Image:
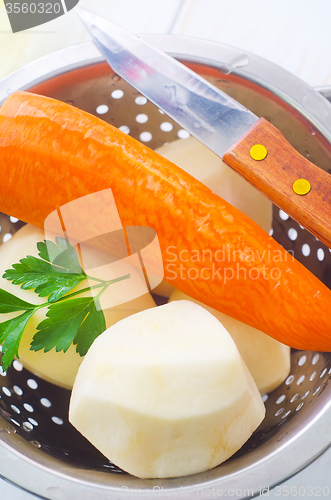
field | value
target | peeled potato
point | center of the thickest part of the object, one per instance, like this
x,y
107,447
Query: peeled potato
x,y
57,367
165,393
267,359
208,168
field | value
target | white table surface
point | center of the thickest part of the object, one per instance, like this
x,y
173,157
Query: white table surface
x,y
295,34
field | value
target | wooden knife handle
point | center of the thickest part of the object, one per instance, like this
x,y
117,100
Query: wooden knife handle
x,y
276,174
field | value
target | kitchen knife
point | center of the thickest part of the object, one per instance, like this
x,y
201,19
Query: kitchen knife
x,y
248,144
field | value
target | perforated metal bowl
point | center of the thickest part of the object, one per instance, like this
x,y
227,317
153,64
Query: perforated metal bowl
x,y
39,450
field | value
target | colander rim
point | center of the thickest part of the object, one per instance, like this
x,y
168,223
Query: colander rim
x,y
296,455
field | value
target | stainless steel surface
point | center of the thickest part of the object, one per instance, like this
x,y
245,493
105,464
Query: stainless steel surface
x,y
53,460
203,110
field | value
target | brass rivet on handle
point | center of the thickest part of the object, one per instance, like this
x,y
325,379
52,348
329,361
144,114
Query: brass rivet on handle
x,y
258,152
301,187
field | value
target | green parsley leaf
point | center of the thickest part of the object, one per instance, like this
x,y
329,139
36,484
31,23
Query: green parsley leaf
x,y
11,332
63,255
52,280
93,325
11,303
63,323
34,273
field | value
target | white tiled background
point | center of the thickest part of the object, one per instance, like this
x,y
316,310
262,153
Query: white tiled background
x,y
295,34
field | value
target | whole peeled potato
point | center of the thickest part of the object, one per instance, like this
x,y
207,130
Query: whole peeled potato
x,y
61,367
165,393
196,159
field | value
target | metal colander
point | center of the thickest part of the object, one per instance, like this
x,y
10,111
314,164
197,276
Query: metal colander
x,y
39,450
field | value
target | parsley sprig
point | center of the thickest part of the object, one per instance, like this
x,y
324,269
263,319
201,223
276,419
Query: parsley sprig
x,y
70,319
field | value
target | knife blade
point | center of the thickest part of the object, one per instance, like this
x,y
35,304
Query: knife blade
x,y
250,145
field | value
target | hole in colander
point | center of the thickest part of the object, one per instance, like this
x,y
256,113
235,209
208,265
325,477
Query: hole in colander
x,y
300,379
323,372
141,118
280,399
33,421
312,376
302,360
299,406
28,407
279,412
17,390
117,94
145,136
320,254
166,126
125,129
292,234
140,100
295,397
32,384
27,426
305,395
17,365
57,420
315,359
15,422
6,391
283,215
7,237
183,134
15,409
46,402
13,219
102,109
289,380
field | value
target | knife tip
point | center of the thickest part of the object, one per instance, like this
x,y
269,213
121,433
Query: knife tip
x,y
85,14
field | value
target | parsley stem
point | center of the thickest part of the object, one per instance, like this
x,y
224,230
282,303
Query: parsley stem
x,y
101,281
94,279
104,285
77,292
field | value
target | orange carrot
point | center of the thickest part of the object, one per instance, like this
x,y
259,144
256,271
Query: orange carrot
x,y
53,153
